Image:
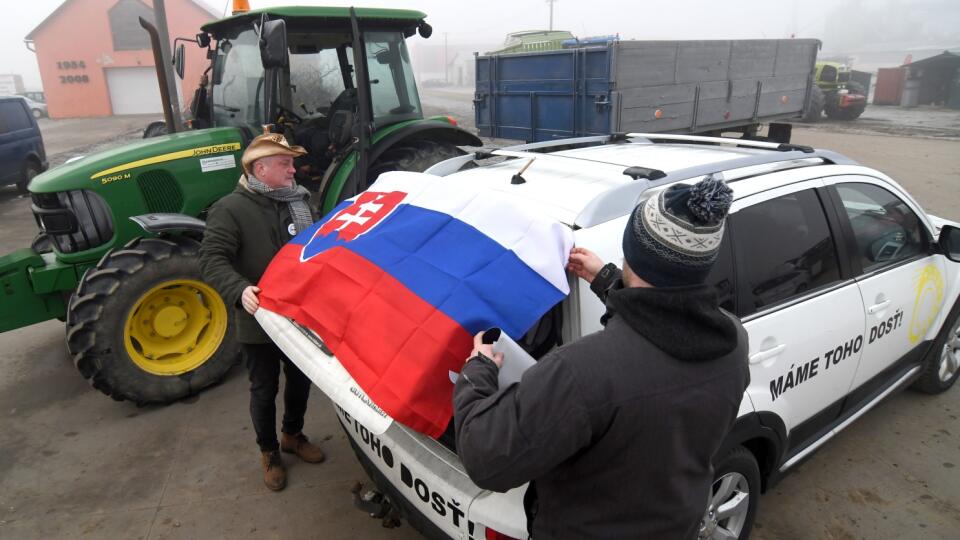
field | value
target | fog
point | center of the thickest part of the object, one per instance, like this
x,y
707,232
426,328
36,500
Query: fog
x,y
848,28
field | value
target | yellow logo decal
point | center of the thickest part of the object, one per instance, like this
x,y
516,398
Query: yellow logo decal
x,y
113,178
191,153
927,305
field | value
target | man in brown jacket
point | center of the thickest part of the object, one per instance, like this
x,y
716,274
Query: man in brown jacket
x,y
244,231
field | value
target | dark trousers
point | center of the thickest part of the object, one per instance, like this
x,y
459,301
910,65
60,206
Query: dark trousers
x,y
263,364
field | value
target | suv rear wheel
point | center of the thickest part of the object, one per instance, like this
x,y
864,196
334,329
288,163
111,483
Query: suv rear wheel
x,y
733,498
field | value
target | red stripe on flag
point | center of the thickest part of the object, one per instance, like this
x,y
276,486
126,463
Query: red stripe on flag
x,y
399,348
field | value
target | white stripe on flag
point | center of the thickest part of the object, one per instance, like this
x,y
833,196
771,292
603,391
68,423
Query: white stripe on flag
x,y
540,242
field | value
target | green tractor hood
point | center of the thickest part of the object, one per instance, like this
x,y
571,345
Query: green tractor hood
x,y
85,205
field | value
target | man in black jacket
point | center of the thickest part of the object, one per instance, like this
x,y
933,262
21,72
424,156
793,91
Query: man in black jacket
x,y
245,229
616,432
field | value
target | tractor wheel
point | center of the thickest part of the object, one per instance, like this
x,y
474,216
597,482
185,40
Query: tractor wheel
x,y
155,129
142,325
812,114
854,111
415,156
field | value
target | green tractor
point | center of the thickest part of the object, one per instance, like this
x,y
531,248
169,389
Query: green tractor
x,y
116,258
835,94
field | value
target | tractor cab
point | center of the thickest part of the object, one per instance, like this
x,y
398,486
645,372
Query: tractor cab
x,y
327,78
116,256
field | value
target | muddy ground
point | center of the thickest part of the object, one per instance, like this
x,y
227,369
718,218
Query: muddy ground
x,y
75,464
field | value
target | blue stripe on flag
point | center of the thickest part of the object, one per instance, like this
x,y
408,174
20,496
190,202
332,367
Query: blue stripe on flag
x,y
454,267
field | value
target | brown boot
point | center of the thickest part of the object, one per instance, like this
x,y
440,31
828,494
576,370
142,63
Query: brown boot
x,y
274,474
299,444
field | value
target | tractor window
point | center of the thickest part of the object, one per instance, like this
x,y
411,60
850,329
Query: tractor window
x,y
315,80
238,91
392,87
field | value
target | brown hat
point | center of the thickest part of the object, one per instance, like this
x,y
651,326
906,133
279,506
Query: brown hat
x,y
269,144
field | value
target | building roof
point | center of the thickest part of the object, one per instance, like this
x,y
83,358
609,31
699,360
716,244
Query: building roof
x,y
945,56
53,14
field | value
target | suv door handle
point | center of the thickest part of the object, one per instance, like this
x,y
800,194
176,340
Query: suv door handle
x,y
767,354
878,307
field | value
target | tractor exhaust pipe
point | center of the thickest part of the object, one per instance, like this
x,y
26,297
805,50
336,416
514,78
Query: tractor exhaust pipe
x,y
161,74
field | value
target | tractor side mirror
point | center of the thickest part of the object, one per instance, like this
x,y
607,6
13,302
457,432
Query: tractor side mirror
x,y
950,242
273,44
179,60
425,29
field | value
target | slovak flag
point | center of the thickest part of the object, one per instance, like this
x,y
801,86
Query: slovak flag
x,y
397,280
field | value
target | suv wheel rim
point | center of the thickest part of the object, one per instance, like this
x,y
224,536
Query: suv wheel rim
x,y
950,357
727,509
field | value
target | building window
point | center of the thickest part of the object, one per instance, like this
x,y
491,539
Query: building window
x,y
125,27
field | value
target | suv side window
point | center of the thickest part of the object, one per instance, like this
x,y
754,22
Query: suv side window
x,y
721,275
14,115
885,228
784,249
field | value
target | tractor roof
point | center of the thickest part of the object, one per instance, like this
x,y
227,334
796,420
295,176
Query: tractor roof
x,y
317,14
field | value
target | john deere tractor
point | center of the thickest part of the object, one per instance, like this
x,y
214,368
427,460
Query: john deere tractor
x,y
116,258
835,94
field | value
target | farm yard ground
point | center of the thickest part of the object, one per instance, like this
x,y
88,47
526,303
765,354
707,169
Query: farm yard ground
x,y
75,464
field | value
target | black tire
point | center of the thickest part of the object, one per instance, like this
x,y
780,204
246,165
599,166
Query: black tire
x,y
931,381
29,171
415,155
98,312
854,111
155,129
851,112
37,113
817,101
740,467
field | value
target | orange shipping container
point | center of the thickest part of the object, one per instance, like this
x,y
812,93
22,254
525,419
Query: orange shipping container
x,y
889,87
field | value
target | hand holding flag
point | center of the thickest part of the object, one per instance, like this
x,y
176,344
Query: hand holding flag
x,y
398,279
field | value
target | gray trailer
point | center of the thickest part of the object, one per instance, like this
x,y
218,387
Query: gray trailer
x,y
644,86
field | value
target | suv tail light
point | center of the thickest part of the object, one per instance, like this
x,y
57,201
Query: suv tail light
x,y
494,535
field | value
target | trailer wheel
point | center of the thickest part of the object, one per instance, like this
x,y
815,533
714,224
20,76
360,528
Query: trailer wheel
x,y
415,155
142,325
817,99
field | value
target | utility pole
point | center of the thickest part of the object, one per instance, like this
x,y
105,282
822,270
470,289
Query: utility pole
x,y
551,2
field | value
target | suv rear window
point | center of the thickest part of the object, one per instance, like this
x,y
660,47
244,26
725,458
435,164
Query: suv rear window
x,y
13,116
784,249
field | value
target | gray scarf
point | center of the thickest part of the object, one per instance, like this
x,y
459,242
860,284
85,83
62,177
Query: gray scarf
x,y
295,197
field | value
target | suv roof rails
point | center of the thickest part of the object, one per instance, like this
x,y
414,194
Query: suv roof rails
x,y
724,141
453,165
620,200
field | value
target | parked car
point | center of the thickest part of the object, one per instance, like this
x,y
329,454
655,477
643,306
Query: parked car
x,y
37,108
22,155
847,287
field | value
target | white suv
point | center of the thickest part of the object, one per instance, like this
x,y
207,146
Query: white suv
x,y
847,288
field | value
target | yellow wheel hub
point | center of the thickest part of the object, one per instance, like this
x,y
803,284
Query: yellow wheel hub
x,y
175,327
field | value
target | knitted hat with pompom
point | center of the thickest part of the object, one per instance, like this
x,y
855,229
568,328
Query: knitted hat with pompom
x,y
672,239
